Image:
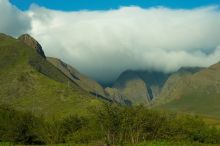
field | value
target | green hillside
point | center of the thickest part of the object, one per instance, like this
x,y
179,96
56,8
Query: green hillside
x,y
81,80
29,82
31,86
196,93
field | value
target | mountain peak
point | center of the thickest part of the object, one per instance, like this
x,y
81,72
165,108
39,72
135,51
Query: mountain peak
x,y
31,42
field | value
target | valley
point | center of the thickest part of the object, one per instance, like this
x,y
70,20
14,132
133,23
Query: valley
x,y
52,102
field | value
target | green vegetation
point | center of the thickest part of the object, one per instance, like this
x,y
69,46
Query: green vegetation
x,y
109,124
197,93
150,143
133,125
81,80
42,105
28,82
165,143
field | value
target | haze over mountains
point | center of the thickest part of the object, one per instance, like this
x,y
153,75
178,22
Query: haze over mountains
x,y
32,81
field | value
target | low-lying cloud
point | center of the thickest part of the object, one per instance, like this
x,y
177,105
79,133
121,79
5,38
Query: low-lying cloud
x,y
102,44
13,21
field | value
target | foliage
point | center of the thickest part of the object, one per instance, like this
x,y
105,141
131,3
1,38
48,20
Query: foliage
x,y
110,124
136,124
18,127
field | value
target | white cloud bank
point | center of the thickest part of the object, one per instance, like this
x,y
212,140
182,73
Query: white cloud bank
x,y
13,21
102,44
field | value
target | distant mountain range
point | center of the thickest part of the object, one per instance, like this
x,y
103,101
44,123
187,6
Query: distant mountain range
x,y
143,87
137,87
44,85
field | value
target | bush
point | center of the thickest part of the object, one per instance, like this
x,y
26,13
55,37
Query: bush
x,y
51,132
111,123
136,124
18,127
25,129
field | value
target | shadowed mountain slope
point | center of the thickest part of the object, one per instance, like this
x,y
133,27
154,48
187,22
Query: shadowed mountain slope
x,y
138,87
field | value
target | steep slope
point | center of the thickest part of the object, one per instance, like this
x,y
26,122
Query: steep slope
x,y
138,87
197,92
176,80
81,80
31,42
154,80
129,89
29,82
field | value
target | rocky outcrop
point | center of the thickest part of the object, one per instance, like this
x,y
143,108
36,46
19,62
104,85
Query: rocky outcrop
x,y
31,42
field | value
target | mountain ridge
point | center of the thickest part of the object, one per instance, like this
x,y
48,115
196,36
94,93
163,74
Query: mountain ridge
x,y
81,80
195,93
30,78
29,82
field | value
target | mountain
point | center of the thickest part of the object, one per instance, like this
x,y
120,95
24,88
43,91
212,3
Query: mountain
x,y
196,93
81,80
29,82
192,90
31,42
129,89
137,87
175,81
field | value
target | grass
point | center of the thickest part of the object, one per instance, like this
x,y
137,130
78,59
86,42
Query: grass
x,y
29,82
158,143
10,144
150,143
198,93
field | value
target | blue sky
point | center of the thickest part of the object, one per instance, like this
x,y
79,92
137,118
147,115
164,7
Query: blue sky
x,y
74,5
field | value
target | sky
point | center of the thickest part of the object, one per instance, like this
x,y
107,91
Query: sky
x,y
76,5
104,38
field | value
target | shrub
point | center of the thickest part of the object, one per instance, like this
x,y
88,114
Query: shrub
x,y
18,127
111,123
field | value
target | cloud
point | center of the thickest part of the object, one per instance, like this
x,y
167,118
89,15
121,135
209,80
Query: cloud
x,y
102,44
13,21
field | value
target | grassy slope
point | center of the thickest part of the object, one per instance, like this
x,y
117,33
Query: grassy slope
x,y
197,93
80,79
27,81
